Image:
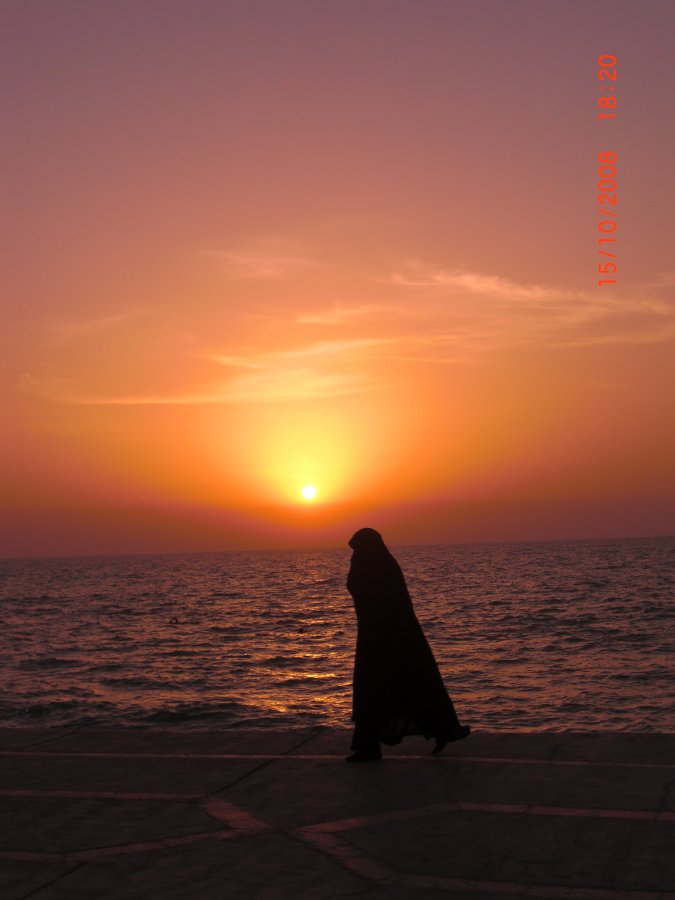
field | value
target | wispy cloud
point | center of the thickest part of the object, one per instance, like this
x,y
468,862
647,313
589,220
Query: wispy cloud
x,y
62,332
338,315
324,369
290,384
476,283
496,310
264,387
261,387
459,282
323,349
263,264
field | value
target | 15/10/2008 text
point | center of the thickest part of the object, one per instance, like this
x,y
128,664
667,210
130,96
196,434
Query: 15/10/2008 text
x,y
608,226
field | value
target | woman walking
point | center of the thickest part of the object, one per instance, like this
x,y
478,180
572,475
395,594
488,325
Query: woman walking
x,y
398,689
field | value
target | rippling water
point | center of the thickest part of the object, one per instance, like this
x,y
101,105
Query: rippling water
x,y
577,635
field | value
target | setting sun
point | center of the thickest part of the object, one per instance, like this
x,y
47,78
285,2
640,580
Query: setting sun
x,y
308,492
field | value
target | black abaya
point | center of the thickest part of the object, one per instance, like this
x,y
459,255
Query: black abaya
x,y
398,689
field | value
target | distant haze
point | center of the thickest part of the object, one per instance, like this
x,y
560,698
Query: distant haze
x,y
254,246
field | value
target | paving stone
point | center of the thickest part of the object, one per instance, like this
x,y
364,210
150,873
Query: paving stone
x,y
268,867
19,878
124,774
592,853
142,740
60,825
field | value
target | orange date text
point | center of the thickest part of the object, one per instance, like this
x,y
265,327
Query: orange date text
x,y
607,224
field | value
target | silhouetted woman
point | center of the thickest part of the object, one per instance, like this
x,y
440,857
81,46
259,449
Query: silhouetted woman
x,y
398,689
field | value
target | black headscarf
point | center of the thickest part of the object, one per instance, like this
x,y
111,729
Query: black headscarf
x,y
367,540
376,583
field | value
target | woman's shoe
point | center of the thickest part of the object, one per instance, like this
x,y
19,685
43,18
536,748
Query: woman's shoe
x,y
360,756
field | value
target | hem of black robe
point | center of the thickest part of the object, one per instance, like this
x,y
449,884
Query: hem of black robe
x,y
393,730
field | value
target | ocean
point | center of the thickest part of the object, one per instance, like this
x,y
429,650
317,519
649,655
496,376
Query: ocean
x,y
576,635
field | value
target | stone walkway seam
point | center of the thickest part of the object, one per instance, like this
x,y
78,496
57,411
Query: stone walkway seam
x,y
97,795
98,853
554,891
357,861
500,808
332,756
238,819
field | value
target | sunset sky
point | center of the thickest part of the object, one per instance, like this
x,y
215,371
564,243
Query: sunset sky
x,y
253,246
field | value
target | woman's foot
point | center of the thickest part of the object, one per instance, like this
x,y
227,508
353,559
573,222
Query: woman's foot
x,y
460,732
361,756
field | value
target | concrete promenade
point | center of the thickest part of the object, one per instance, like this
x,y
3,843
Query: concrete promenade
x,y
199,815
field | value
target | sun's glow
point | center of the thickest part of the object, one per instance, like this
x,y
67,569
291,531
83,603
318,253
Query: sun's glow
x,y
283,449
290,450
308,492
